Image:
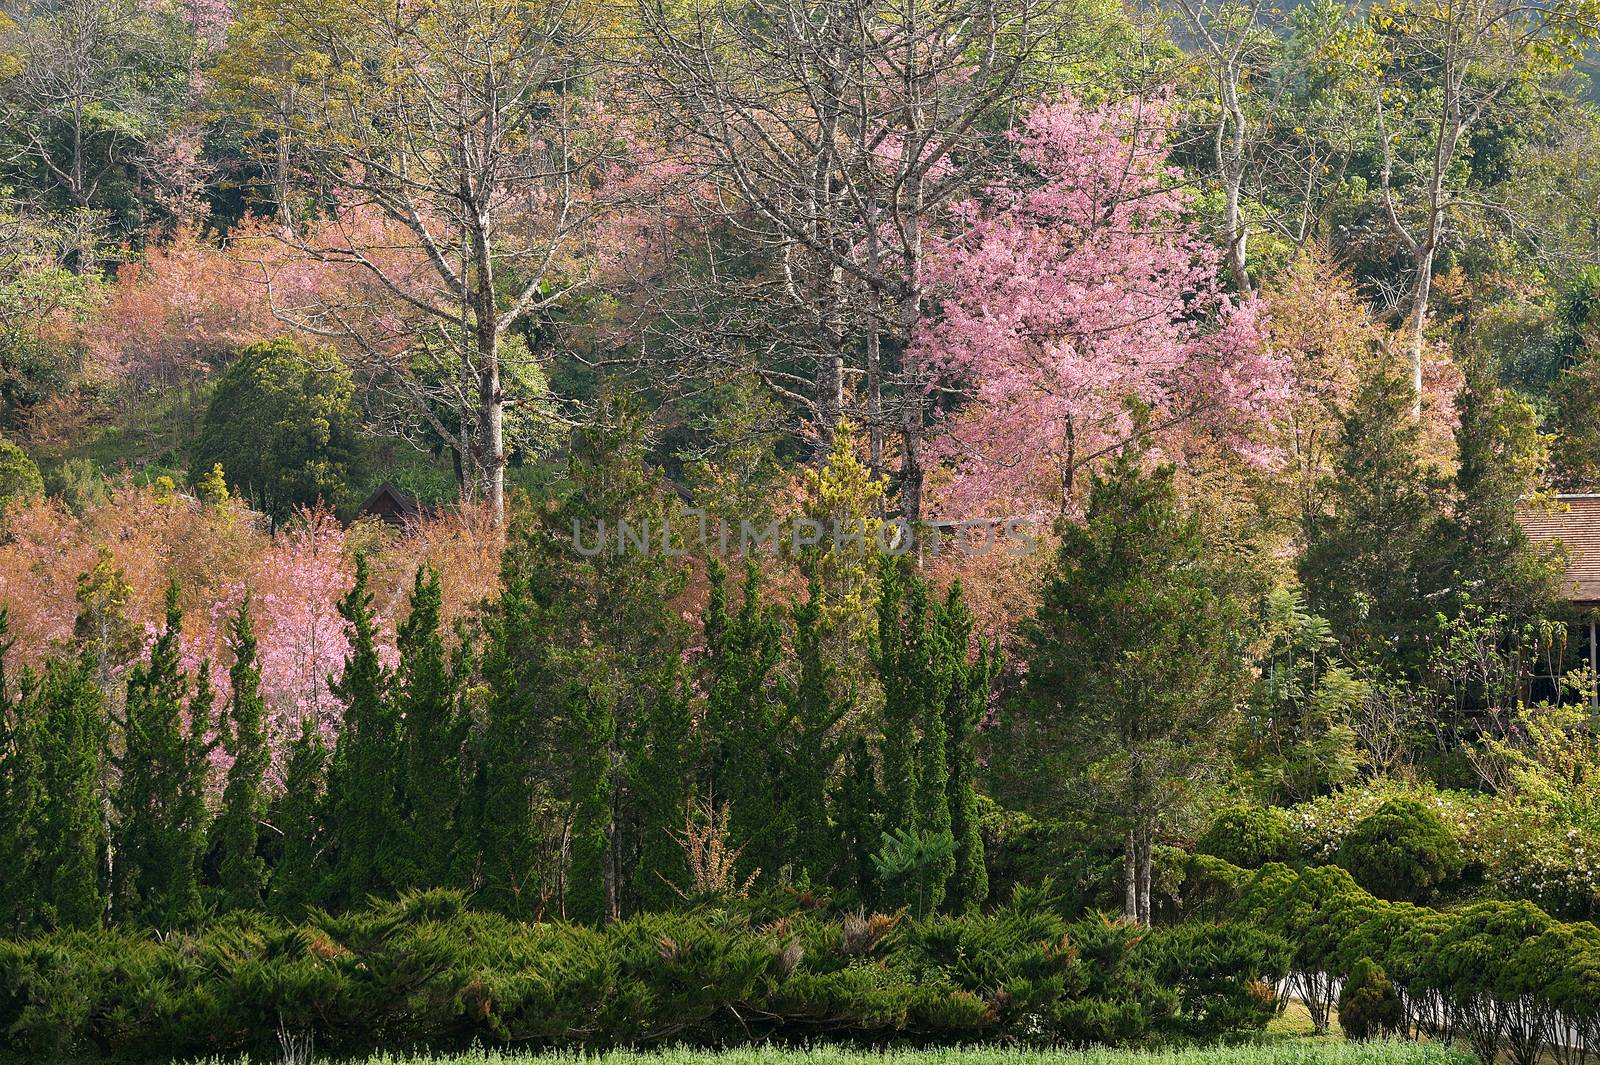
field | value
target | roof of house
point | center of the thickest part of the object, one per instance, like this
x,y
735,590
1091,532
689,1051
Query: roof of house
x,y
1575,522
390,504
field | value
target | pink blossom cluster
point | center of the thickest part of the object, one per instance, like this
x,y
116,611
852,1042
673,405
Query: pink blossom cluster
x,y
1076,284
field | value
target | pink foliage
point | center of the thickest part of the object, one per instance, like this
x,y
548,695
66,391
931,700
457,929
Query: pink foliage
x,y
1076,284
176,310
297,585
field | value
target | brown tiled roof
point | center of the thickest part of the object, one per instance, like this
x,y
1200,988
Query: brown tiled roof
x,y
1575,522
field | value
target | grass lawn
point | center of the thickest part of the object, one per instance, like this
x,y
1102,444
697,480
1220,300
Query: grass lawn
x,y
1274,1052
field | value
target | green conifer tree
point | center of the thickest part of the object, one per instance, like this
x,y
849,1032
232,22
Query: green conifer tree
x,y
363,820
972,682
241,871
21,795
745,723
899,654
158,829
72,838
428,691
860,825
661,776
513,756
817,742
298,875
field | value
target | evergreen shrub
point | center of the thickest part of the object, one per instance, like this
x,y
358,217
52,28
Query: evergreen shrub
x,y
1249,836
1402,852
426,972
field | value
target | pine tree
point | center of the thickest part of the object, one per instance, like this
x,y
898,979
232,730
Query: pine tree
x,y
1501,465
241,871
363,821
298,874
157,848
72,839
428,691
21,795
1134,673
1368,567
972,681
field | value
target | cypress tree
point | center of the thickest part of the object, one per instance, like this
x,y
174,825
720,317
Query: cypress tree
x,y
860,827
513,753
745,721
593,743
816,714
297,876
972,681
21,795
427,689
157,842
933,764
241,871
72,838
661,775
190,826
899,652
363,816
914,671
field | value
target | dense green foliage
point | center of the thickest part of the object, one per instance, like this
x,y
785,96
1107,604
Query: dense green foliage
x,y
282,424
1497,975
1249,836
19,476
426,972
1402,851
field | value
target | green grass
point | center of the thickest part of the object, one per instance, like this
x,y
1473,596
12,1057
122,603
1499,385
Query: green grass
x,y
1297,1052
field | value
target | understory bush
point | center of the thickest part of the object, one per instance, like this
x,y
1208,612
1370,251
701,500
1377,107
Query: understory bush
x,y
1369,1007
1401,851
1249,836
1504,977
426,972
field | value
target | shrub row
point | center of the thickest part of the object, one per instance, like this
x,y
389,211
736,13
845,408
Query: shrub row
x,y
428,973
1499,975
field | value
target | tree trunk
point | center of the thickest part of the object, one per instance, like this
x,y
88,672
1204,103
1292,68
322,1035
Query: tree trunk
x,y
493,442
1145,840
1418,324
1130,877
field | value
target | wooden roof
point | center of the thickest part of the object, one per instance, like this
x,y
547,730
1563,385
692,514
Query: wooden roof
x,y
1575,522
390,504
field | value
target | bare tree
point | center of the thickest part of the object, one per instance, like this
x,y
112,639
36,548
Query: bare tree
x,y
1439,70
464,162
832,133
1277,122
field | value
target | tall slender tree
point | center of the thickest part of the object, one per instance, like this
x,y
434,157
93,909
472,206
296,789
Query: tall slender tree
x,y
159,833
21,797
297,815
427,691
241,871
971,684
1134,672
363,821
72,836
